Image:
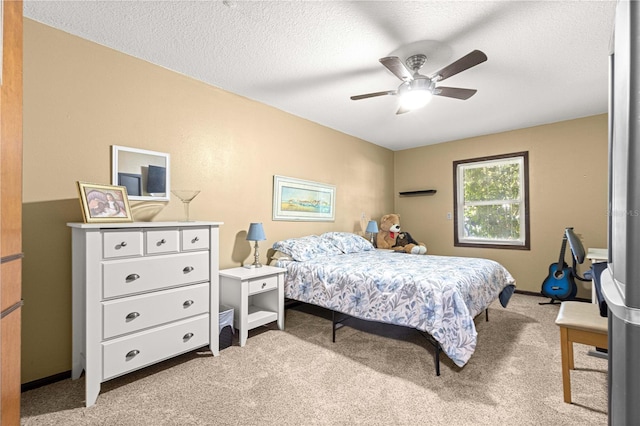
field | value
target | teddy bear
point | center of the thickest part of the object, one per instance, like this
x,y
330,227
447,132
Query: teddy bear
x,y
390,237
388,231
406,241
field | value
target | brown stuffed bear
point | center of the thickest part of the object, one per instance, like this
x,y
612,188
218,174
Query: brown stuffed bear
x,y
388,233
390,237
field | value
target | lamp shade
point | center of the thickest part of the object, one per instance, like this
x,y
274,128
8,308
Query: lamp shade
x,y
256,232
372,227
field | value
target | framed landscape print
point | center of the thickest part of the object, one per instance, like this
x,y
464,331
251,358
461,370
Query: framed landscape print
x,y
104,203
303,200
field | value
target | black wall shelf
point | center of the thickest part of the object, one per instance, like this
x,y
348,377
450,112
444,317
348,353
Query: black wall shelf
x,y
416,193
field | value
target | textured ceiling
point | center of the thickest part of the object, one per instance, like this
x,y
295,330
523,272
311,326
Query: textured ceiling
x,y
547,60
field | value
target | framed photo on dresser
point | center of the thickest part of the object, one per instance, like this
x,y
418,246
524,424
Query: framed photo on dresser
x,y
104,203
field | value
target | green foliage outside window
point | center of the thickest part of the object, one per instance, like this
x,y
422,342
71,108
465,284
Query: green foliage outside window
x,y
493,183
492,222
491,195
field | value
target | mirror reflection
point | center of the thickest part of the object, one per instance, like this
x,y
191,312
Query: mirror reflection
x,y
144,173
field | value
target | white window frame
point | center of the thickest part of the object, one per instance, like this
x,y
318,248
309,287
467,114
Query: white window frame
x,y
460,240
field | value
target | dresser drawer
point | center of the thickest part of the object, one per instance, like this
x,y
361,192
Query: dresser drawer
x,y
194,239
134,313
258,285
147,347
129,276
121,244
159,241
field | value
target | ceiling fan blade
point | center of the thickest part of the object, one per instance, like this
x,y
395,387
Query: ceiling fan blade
x,y
471,60
454,92
372,95
395,65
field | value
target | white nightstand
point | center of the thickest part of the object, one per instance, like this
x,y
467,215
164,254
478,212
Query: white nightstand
x,y
256,295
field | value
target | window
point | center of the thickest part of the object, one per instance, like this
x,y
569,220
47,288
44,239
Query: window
x,y
491,198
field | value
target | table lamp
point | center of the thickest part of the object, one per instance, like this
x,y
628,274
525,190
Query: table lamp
x,y
256,233
372,228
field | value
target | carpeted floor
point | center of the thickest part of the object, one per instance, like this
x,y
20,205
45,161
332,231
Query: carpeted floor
x,y
375,374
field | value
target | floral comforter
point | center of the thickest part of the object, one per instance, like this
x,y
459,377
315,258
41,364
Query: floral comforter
x,y
437,294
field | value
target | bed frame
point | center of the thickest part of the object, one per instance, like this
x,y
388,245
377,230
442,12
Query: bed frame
x,y
338,319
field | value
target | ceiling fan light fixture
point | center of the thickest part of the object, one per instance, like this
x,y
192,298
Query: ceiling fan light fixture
x,y
415,99
416,89
416,94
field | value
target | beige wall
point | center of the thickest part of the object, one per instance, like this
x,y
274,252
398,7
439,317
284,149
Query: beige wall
x,y
80,98
568,187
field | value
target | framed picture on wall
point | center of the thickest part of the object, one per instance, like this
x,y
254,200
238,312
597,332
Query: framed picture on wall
x,y
303,200
104,203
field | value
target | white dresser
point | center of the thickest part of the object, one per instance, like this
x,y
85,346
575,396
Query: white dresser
x,y
143,292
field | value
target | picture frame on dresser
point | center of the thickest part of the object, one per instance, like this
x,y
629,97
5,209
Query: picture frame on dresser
x,y
104,203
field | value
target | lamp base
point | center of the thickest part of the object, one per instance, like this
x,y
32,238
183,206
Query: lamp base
x,y
256,259
252,266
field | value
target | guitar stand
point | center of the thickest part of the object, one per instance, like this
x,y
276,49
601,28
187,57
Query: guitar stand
x,y
550,302
562,272
573,271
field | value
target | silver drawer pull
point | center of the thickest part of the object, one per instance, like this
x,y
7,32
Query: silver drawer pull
x,y
195,240
132,277
187,269
131,354
132,316
187,303
187,336
264,285
162,241
123,244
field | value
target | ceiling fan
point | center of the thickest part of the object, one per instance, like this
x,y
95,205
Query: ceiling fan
x,y
416,89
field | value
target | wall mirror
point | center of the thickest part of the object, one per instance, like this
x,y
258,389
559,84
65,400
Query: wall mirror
x,y
144,173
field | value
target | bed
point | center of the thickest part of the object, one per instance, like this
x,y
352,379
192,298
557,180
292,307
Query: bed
x,y
437,295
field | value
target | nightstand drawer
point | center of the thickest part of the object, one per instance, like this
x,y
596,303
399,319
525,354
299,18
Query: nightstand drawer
x,y
130,276
122,316
147,347
195,239
258,285
162,241
122,244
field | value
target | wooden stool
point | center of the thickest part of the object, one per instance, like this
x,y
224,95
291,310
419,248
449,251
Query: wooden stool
x,y
579,323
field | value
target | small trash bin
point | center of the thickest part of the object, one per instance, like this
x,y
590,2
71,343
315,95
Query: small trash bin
x,y
225,317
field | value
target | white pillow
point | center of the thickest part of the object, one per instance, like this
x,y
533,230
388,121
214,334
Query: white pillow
x,y
306,248
277,256
347,242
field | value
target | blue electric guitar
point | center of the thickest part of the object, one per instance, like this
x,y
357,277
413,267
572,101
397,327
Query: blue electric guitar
x,y
559,284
